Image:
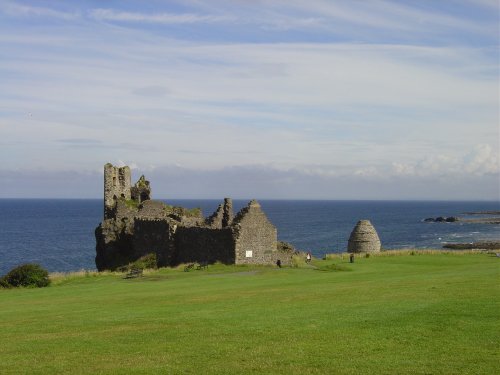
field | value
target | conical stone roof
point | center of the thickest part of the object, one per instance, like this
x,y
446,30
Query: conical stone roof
x,y
364,238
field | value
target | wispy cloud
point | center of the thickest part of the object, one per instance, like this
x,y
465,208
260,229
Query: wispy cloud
x,y
385,100
373,19
162,18
357,91
486,3
150,91
17,10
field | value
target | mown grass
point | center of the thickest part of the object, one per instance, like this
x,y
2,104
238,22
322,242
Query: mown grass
x,y
426,314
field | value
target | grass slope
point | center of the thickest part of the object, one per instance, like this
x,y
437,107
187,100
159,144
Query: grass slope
x,y
425,314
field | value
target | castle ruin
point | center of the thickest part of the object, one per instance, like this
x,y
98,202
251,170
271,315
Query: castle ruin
x,y
134,225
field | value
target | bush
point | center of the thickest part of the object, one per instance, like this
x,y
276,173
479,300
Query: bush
x,y
147,261
28,275
4,284
285,247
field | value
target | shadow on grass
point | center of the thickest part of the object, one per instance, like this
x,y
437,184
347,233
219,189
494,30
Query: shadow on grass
x,y
332,268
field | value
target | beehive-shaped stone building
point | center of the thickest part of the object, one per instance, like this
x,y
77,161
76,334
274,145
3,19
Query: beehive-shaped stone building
x,y
364,238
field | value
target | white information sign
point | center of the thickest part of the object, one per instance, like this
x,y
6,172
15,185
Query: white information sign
x,y
249,254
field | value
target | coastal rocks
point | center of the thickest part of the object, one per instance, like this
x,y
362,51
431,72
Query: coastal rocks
x,y
483,245
364,238
441,219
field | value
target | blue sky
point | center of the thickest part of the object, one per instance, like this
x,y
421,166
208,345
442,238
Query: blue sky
x,y
267,99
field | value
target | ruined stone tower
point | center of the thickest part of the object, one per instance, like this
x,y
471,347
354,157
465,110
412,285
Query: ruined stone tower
x,y
227,214
364,238
141,191
135,225
116,186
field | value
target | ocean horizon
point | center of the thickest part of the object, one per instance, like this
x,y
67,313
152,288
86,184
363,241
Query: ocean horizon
x,y
59,233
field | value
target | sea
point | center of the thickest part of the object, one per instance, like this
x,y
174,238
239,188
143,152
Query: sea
x,y
59,234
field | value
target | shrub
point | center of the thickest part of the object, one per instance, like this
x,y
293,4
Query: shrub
x,y
131,203
147,261
28,275
4,284
298,261
285,247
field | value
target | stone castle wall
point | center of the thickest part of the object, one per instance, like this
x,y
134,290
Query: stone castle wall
x,y
152,209
114,244
206,245
154,236
255,236
134,226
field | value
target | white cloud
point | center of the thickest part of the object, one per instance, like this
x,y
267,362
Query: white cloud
x,y
17,10
338,17
482,160
486,3
231,104
367,172
169,182
162,18
131,164
322,109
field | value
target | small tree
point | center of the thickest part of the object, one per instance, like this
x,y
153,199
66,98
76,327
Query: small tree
x,y
28,275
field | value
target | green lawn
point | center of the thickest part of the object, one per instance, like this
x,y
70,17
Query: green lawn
x,y
423,314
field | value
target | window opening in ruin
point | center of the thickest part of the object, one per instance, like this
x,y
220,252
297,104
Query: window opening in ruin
x,y
114,181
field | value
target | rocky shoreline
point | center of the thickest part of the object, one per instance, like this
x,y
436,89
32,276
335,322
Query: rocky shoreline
x,y
483,220
483,213
486,245
479,220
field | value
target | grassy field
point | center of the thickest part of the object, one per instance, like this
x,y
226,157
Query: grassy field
x,y
420,314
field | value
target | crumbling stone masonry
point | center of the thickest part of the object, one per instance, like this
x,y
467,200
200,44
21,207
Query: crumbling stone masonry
x,y
116,186
134,225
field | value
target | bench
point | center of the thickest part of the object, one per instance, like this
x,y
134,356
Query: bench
x,y
202,266
198,266
133,273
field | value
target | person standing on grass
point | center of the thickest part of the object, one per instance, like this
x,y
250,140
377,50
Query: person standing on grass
x,y
308,257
